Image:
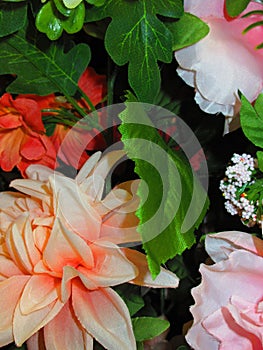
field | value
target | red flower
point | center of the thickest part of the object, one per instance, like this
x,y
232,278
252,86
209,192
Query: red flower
x,y
22,138
71,143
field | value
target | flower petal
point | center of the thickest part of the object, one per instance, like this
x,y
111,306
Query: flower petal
x,y
66,248
219,246
56,338
111,266
165,279
24,326
8,302
109,320
39,292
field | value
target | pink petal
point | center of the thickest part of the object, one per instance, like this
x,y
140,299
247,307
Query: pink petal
x,y
111,266
87,168
39,292
221,244
16,245
65,332
66,248
24,326
8,302
32,188
109,320
165,279
74,208
222,326
8,268
36,341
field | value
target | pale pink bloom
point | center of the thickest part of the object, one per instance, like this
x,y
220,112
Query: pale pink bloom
x,y
59,259
228,310
225,61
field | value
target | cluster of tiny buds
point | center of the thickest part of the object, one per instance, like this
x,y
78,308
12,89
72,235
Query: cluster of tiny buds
x,y
238,174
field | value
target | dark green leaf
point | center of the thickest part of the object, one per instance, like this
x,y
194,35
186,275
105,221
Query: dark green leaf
x,y
171,189
12,17
252,120
42,72
148,327
96,2
138,37
235,7
187,30
260,160
131,296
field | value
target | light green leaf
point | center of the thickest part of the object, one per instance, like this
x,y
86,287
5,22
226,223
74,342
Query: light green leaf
x,y
52,23
188,30
252,120
235,7
41,71
138,37
12,17
47,22
172,192
148,327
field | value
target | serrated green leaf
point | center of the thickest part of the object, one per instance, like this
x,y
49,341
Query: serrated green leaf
x,y
41,71
252,120
145,328
138,37
12,17
235,7
169,192
188,30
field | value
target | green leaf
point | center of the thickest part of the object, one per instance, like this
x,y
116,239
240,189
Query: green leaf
x,y
148,327
65,11
41,71
171,206
260,160
138,37
188,30
52,23
47,22
74,22
12,17
132,298
235,7
96,2
252,120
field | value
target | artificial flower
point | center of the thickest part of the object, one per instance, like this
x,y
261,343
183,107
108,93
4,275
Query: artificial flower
x,y
226,61
22,135
60,257
71,143
228,308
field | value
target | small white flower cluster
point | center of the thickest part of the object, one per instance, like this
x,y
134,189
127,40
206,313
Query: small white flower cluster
x,y
239,174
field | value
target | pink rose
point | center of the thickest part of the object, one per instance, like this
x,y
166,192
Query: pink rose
x,y
226,60
228,310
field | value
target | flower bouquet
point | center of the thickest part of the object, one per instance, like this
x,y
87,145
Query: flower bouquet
x,y
131,174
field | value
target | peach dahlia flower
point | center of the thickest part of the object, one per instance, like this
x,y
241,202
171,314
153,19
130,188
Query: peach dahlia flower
x,y
226,60
59,257
228,310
